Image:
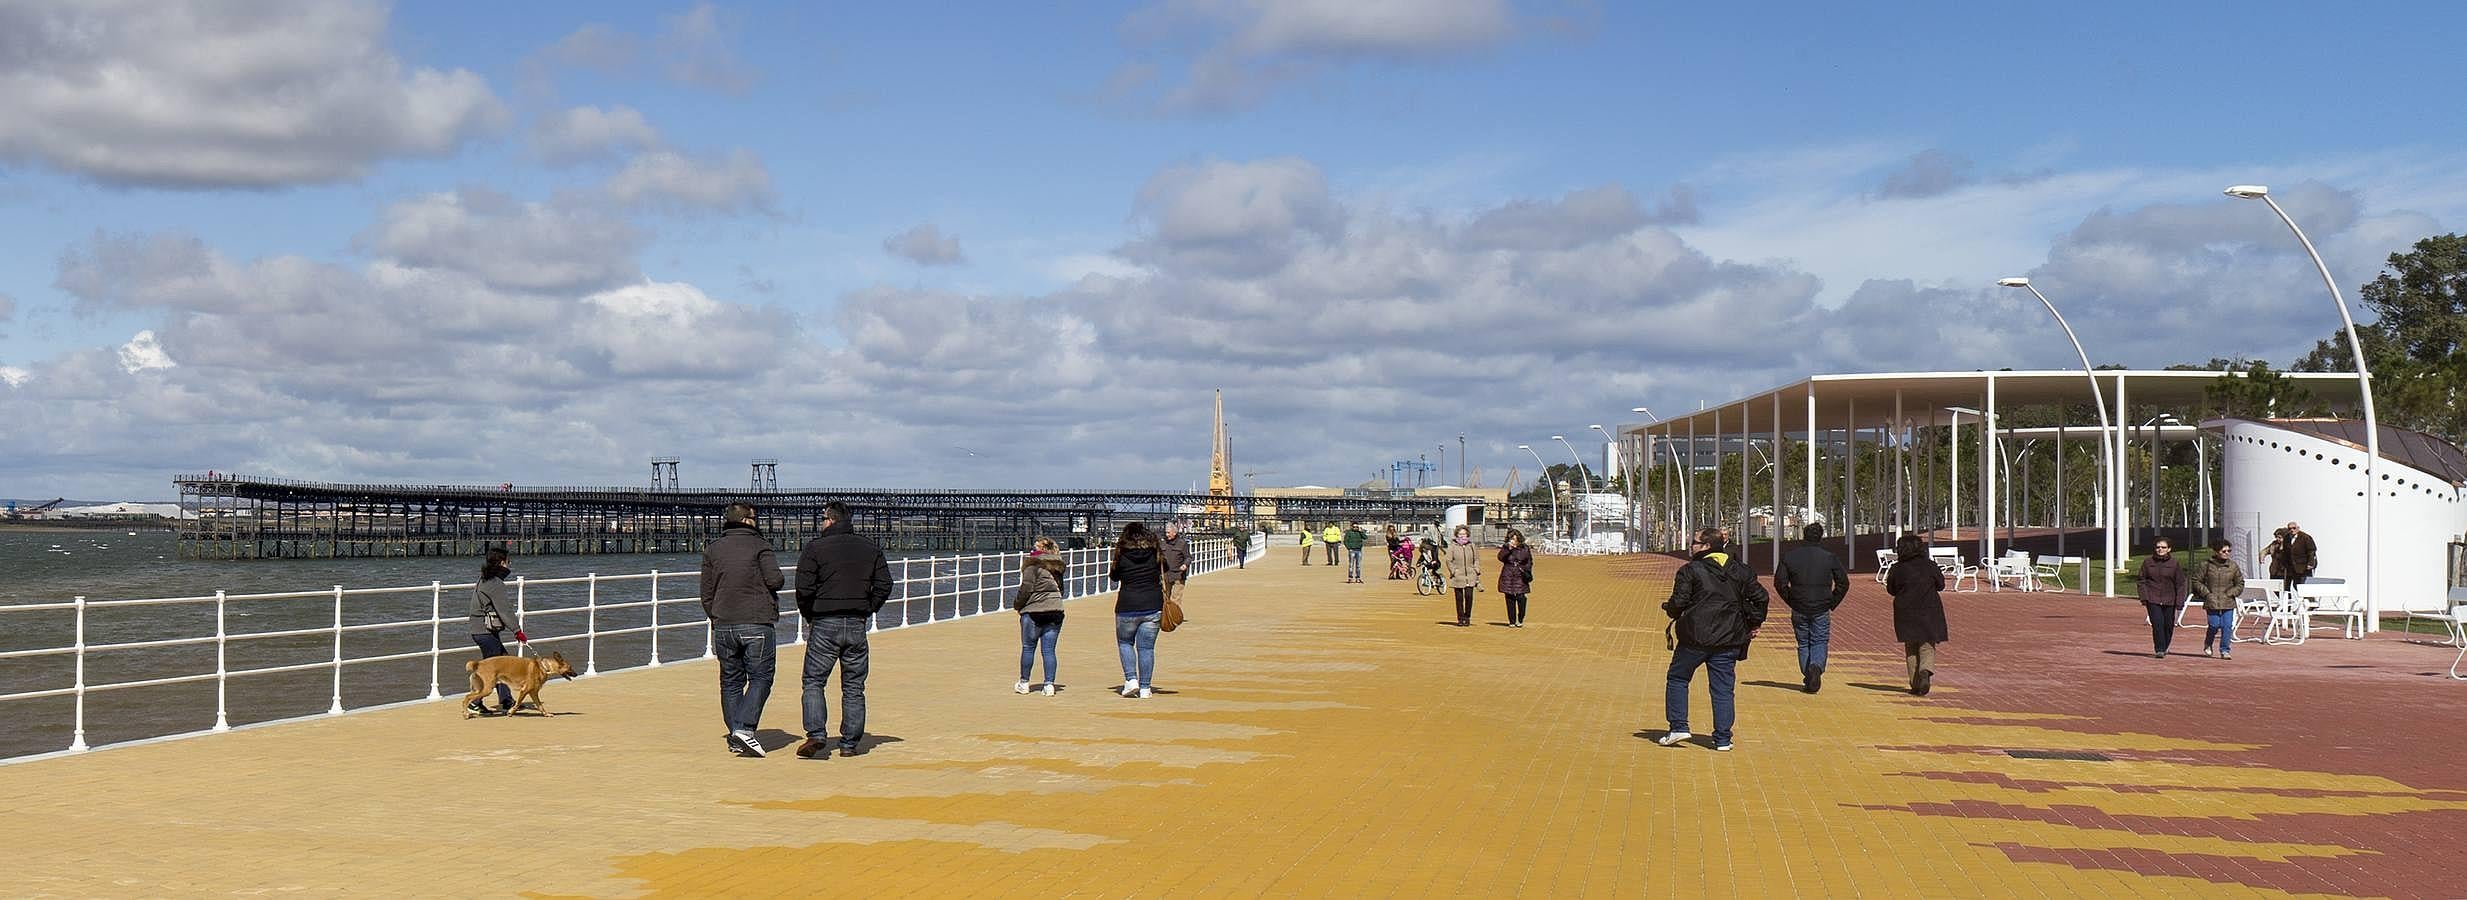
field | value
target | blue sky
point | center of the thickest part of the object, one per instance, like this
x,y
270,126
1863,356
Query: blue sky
x,y
1336,211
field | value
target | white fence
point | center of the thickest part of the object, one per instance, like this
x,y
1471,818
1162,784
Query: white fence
x,y
615,621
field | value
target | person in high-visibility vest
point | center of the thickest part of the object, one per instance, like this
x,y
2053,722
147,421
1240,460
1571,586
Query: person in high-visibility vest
x,y
1332,536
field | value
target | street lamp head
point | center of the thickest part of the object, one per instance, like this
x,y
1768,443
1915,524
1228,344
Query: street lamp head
x,y
1598,428
1524,446
2249,191
1558,437
2013,282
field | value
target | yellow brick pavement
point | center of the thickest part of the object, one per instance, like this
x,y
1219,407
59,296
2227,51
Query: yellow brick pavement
x,y
1314,738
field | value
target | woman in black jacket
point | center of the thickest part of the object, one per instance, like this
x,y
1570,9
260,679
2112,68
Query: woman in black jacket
x,y
1917,586
1139,607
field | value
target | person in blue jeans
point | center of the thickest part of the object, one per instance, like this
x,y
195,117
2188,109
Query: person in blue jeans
x,y
740,594
843,579
1354,538
1715,607
1040,611
489,620
1811,581
1139,607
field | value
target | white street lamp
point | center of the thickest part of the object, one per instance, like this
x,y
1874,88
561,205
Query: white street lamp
x,y
1583,484
2364,382
2110,464
1544,475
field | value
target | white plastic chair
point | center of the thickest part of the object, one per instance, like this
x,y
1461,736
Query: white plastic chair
x,y
2330,600
1884,560
2015,569
2254,603
1955,570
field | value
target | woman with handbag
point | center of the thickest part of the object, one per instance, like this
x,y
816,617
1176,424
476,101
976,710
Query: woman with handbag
x,y
1139,607
1515,575
1040,611
489,622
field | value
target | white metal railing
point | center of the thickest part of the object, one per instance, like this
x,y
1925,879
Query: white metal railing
x,y
929,589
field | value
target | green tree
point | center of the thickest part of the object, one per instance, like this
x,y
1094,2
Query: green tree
x,y
2260,393
2417,343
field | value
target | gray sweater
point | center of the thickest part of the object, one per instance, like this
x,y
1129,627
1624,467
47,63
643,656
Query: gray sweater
x,y
491,592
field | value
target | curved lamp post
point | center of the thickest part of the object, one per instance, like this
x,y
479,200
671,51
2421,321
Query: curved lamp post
x,y
1583,483
2108,462
1676,472
2364,382
1552,489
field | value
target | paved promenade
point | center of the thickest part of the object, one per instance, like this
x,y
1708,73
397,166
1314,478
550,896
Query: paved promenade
x,y
1318,738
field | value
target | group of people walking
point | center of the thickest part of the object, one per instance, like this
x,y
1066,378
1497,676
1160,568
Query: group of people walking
x,y
2164,585
1717,608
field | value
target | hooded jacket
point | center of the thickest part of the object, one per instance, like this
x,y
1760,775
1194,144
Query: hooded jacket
x,y
1139,571
741,578
2218,583
1040,584
1695,605
842,573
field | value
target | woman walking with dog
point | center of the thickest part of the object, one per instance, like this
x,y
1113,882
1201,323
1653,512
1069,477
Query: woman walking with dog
x,y
1040,611
489,621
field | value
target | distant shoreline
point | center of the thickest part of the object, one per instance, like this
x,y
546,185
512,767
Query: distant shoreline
x,y
61,527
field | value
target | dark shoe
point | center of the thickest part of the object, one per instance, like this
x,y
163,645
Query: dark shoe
x,y
2161,654
476,708
1926,680
1815,679
852,749
813,749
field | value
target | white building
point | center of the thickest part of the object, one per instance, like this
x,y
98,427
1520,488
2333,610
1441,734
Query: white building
x,y
2311,471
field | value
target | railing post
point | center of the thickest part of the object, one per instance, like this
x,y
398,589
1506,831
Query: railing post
x,y
77,739
222,670
519,646
591,624
655,618
436,616
337,708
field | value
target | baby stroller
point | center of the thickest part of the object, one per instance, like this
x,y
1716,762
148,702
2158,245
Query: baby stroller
x,y
1432,581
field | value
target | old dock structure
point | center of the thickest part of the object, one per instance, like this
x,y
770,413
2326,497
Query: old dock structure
x,y
244,517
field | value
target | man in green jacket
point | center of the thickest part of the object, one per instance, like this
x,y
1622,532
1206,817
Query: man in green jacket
x,y
1354,538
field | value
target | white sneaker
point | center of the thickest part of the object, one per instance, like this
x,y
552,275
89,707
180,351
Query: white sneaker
x,y
1672,738
1723,746
1049,689
748,744
1129,687
1144,693
1020,688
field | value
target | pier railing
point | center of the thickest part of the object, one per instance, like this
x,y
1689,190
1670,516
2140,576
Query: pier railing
x,y
415,636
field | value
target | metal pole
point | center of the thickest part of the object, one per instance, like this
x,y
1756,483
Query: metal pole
x,y
1953,478
518,612
655,618
222,668
2119,512
591,623
2372,424
337,708
77,737
436,622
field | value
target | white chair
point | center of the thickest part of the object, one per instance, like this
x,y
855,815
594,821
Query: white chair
x,y
2046,574
2330,600
1955,571
2014,569
2254,603
1884,560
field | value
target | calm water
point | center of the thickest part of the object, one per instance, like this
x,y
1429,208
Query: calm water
x,y
50,567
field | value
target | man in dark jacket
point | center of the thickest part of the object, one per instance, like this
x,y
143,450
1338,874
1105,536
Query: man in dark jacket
x,y
1812,581
2302,556
843,579
1715,607
740,593
1175,550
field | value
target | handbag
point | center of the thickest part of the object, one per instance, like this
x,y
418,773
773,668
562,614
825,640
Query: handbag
x,y
494,621
1171,618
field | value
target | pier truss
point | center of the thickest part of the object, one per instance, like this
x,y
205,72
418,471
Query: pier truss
x,y
243,517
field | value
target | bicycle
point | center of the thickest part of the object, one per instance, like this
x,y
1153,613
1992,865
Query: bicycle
x,y
1430,582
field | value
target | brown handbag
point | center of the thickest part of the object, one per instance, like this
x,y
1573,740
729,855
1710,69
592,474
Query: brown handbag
x,y
1171,618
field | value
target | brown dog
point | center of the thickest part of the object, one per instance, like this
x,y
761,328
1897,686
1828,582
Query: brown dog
x,y
525,674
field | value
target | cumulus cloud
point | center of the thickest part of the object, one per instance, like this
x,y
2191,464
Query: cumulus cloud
x,y
1246,48
565,245
1574,220
202,95
925,245
586,133
1233,216
672,181
142,353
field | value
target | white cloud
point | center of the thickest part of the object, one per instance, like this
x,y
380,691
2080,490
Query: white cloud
x,y
213,95
586,133
925,245
142,353
694,45
1250,47
665,179
566,245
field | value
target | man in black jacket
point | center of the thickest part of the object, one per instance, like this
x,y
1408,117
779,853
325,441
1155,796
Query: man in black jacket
x,y
740,593
1715,607
843,579
1812,581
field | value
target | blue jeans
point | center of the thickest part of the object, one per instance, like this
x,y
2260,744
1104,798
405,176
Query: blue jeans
x,y
1135,638
2219,633
1353,563
1815,635
491,645
836,640
1038,631
748,654
1723,663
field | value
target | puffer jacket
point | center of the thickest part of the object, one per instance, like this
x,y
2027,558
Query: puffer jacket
x,y
1701,617
1464,564
2218,584
1142,576
2161,581
1515,570
1040,584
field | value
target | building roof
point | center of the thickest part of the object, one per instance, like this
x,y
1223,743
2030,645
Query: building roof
x,y
2431,455
1867,400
